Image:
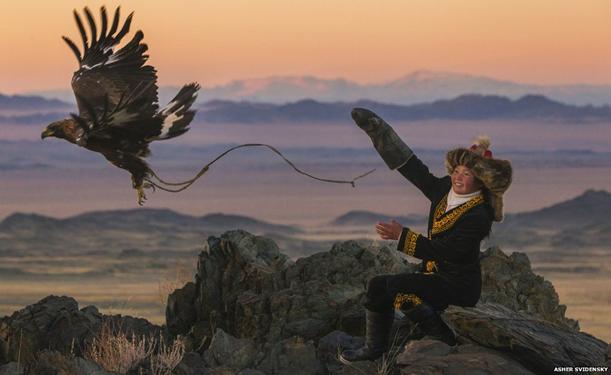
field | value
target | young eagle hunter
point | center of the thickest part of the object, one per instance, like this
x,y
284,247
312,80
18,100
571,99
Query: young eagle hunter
x,y
117,100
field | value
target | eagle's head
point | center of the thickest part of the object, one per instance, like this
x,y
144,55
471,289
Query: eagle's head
x,y
65,129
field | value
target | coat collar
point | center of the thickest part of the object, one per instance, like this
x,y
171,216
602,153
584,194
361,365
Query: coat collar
x,y
443,221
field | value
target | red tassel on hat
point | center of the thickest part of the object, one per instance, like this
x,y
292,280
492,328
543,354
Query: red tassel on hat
x,y
481,147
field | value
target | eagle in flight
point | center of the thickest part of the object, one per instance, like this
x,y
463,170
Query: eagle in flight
x,y
116,94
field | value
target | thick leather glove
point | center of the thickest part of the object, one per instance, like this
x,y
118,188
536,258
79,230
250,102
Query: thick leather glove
x,y
391,148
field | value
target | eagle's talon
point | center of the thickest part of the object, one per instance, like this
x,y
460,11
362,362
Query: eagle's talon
x,y
141,195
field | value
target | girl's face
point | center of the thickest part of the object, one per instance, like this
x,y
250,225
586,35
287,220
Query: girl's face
x,y
463,180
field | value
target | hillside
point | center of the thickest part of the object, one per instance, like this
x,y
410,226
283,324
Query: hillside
x,y
114,232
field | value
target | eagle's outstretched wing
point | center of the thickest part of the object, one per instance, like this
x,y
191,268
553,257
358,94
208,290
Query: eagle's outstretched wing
x,y
113,87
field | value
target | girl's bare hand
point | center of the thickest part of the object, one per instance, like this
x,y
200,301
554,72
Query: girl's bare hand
x,y
389,231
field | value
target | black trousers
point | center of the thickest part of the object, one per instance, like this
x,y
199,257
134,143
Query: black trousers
x,y
430,288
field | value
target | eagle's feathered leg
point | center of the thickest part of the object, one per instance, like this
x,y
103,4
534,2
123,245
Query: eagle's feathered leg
x,y
139,186
137,167
140,182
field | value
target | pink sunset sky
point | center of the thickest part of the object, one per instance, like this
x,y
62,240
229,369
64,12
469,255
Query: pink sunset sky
x,y
214,42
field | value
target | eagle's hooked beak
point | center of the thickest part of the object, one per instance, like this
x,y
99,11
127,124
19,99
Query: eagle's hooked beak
x,y
47,133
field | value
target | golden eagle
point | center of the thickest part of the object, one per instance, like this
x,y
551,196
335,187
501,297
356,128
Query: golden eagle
x,y
116,94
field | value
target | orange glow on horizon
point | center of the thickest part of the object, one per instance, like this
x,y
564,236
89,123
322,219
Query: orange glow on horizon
x,y
542,42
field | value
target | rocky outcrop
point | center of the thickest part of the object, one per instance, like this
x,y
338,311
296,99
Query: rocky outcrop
x,y
245,289
510,281
539,344
52,362
435,357
57,324
245,286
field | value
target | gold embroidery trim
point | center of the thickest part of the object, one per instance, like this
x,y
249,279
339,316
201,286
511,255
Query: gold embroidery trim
x,y
431,266
444,222
409,247
401,298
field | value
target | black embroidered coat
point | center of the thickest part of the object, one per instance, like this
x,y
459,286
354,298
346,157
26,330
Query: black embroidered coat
x,y
451,247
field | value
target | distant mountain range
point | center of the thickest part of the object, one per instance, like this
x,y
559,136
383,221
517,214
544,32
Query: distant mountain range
x,y
465,107
37,103
122,232
418,87
162,220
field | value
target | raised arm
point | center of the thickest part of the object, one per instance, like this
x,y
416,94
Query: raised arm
x,y
397,155
418,174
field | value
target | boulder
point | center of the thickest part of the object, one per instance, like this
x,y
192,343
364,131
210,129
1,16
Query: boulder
x,y
536,343
510,281
53,323
290,356
11,368
191,364
245,286
226,350
435,357
56,323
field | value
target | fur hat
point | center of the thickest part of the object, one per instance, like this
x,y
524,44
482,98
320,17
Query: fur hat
x,y
495,174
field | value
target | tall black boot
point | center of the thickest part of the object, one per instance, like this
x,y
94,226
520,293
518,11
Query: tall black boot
x,y
428,324
435,328
376,338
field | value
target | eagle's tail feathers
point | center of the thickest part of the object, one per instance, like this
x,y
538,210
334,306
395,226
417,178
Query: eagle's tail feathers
x,y
177,115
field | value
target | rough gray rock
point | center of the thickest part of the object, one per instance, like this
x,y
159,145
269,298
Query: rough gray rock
x,y
291,356
56,364
191,364
331,345
53,323
11,368
538,344
510,281
49,362
85,367
228,354
247,288
56,323
181,308
434,357
226,350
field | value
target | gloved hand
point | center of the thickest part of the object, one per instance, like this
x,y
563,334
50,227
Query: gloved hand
x,y
391,148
